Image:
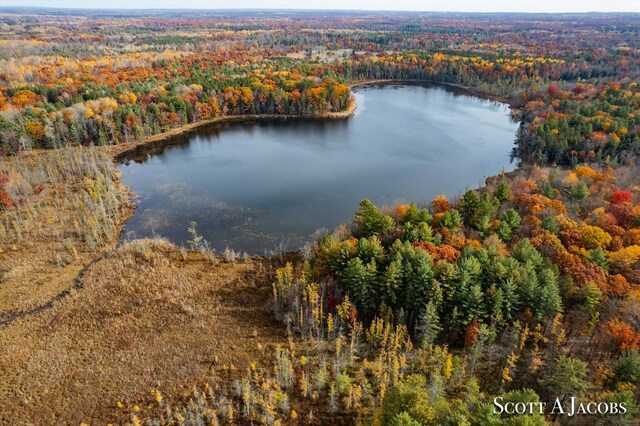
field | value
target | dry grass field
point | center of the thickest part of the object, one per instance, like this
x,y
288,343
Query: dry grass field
x,y
143,318
88,331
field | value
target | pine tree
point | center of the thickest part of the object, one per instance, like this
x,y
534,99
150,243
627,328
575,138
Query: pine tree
x,y
580,191
628,368
488,206
550,225
340,258
472,304
588,297
404,419
599,257
429,325
420,232
415,215
504,232
470,296
369,221
511,301
358,279
503,192
549,301
369,249
470,202
512,219
469,269
483,225
451,220
530,291
549,192
391,282
525,252
497,301
567,378
447,275
420,281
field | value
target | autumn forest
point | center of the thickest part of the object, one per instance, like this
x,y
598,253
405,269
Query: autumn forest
x,y
523,290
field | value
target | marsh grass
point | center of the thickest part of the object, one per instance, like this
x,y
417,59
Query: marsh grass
x,y
60,211
70,196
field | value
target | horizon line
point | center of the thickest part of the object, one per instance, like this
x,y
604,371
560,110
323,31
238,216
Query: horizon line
x,y
246,9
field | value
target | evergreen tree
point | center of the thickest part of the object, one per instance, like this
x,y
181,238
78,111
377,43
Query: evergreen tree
x,y
512,219
549,192
567,378
404,419
580,191
415,215
497,302
472,304
504,232
420,232
530,291
358,280
525,252
488,206
503,192
511,302
628,368
599,257
429,325
549,301
369,249
550,225
339,258
369,221
483,225
447,275
451,220
469,204
391,282
422,288
408,396
587,297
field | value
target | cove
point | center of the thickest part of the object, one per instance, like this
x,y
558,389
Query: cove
x,y
258,187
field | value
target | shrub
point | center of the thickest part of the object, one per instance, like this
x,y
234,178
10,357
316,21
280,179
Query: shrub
x,y
619,197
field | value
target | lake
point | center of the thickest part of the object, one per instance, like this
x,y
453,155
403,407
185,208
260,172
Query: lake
x,y
270,186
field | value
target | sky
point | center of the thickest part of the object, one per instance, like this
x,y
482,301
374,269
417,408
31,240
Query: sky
x,y
413,5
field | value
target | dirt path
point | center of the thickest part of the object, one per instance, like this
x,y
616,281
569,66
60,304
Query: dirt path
x,y
8,317
144,319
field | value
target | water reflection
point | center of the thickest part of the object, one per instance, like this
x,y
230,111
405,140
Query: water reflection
x,y
254,186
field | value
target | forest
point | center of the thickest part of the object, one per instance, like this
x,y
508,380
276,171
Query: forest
x,y
526,289
113,84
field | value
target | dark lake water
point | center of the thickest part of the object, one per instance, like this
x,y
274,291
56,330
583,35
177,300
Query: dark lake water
x,y
266,186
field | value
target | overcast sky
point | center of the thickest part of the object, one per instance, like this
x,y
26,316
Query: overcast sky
x,y
419,5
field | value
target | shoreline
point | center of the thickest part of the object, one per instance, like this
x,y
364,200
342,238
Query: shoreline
x,y
141,148
472,90
122,149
